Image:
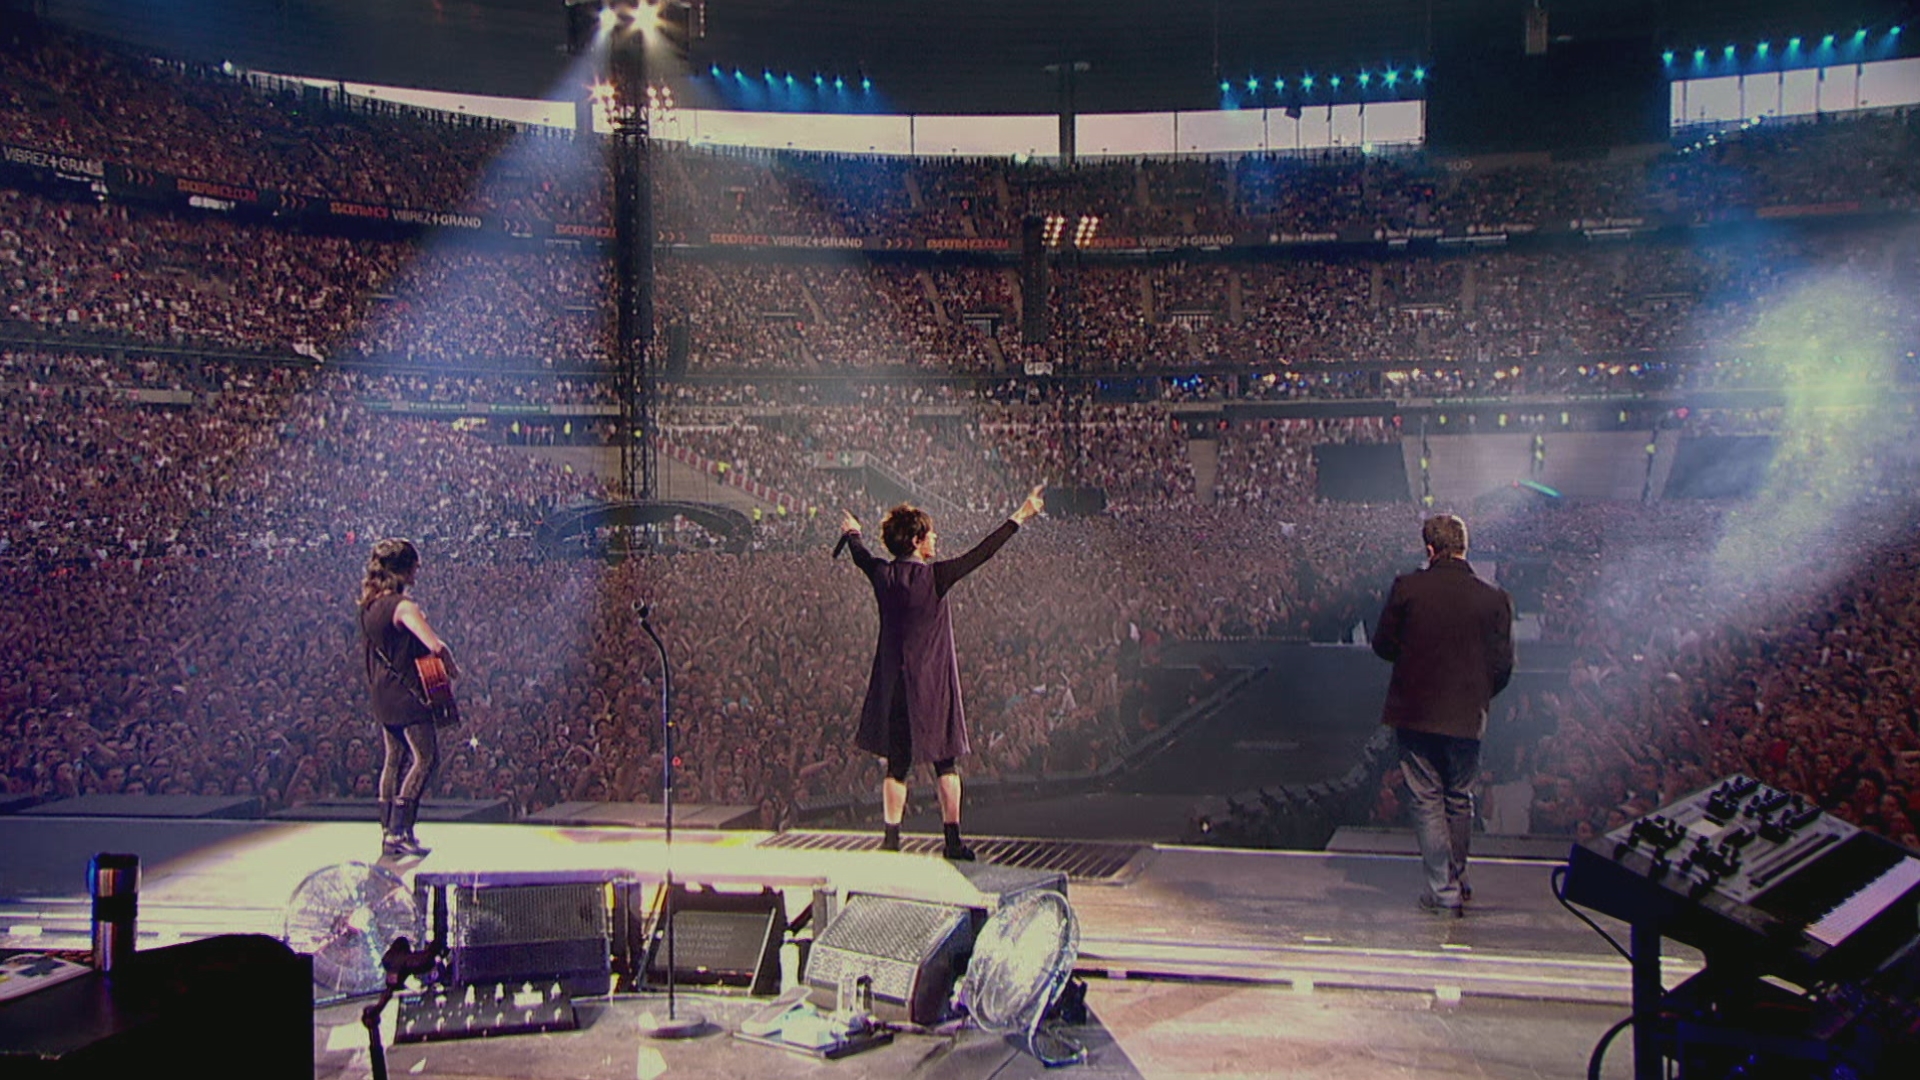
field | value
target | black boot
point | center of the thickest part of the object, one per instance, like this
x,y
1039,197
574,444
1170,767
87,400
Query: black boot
x,y
386,828
401,839
955,849
890,839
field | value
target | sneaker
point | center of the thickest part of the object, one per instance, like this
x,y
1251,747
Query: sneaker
x,y
958,853
1432,906
401,846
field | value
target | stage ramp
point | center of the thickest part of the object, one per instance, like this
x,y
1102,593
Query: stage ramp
x,y
1588,465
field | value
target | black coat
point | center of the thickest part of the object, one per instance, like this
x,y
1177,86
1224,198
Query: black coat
x,y
914,656
1450,637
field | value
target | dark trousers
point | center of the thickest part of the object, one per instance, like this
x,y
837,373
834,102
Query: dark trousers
x,y
417,747
1441,771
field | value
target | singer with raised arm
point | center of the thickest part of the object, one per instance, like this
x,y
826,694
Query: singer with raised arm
x,y
912,711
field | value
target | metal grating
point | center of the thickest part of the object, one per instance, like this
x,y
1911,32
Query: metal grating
x,y
1080,860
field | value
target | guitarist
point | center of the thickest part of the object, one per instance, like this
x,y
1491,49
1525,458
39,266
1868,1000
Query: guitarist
x,y
395,635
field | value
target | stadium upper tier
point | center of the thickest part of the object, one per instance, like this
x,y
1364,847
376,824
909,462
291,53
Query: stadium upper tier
x,y
153,203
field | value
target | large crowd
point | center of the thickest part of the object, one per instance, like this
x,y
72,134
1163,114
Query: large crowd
x,y
181,529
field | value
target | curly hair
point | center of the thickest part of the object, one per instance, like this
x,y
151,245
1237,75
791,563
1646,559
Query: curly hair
x,y
903,527
392,561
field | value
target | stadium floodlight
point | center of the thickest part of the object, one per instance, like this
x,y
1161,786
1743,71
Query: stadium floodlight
x,y
1054,228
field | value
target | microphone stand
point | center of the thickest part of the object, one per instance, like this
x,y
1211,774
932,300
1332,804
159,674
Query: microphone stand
x,y
674,1026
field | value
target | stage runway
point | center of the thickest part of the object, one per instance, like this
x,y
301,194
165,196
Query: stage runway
x,y
1199,961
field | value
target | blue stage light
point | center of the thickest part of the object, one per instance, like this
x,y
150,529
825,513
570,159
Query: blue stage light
x,y
1667,57
1334,82
1226,87
1762,49
1793,45
789,78
1366,79
1393,77
817,80
1859,36
867,85
740,75
1252,85
1827,42
1279,83
766,74
1728,53
1307,82
714,70
1699,57
1419,74
839,83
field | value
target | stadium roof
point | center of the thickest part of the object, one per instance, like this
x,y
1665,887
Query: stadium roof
x,y
930,56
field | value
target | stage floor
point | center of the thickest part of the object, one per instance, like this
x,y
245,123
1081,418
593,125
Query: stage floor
x,y
1200,961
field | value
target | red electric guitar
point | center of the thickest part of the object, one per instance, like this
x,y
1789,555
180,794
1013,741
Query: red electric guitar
x,y
439,689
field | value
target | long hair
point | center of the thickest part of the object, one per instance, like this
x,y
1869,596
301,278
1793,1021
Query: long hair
x,y
387,569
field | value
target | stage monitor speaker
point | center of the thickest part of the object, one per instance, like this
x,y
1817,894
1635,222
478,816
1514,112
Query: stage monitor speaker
x,y
911,950
721,941
523,930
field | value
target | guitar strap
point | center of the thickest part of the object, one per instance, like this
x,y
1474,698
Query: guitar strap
x,y
418,691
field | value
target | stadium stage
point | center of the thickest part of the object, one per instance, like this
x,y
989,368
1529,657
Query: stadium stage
x,y
1199,961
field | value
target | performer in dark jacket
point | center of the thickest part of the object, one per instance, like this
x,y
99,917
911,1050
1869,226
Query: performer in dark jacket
x,y
394,633
1450,638
912,711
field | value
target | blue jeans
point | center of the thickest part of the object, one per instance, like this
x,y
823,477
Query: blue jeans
x,y
1441,770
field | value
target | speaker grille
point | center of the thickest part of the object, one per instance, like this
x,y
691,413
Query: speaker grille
x,y
525,914
502,933
886,939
